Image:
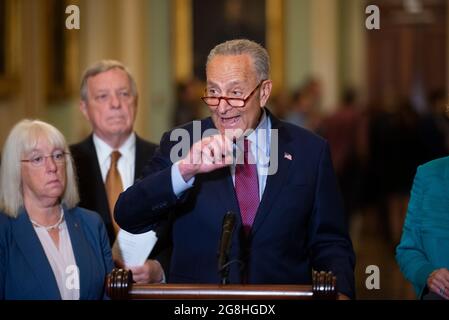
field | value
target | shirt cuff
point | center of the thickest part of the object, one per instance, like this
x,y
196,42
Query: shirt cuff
x,y
177,181
163,280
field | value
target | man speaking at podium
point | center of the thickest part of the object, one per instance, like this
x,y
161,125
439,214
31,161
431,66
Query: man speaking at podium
x,y
277,178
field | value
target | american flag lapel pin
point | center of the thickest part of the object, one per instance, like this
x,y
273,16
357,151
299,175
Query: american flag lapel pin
x,y
288,156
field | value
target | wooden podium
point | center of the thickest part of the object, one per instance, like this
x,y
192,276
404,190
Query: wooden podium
x,y
119,286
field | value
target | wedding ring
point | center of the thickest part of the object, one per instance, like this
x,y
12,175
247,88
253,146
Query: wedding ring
x,y
442,290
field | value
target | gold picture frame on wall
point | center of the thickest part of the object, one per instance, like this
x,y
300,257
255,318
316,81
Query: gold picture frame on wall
x,y
183,40
9,46
61,52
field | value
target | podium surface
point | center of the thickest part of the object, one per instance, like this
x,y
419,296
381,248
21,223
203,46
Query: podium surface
x,y
119,286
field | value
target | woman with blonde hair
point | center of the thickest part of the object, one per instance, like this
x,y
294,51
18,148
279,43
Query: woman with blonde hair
x,y
49,247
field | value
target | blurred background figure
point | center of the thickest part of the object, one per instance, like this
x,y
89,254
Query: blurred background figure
x,y
281,104
49,248
306,107
188,106
344,131
396,151
435,126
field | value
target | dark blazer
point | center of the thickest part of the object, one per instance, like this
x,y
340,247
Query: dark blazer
x,y
299,225
90,183
25,272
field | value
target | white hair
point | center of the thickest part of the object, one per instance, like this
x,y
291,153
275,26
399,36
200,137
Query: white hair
x,y
22,139
259,54
100,67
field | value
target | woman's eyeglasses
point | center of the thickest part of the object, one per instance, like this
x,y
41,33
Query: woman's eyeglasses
x,y
59,157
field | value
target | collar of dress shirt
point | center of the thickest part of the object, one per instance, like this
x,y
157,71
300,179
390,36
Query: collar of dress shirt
x,y
260,137
104,150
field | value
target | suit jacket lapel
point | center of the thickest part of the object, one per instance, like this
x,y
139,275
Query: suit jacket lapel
x,y
274,181
81,251
98,184
140,159
30,245
221,183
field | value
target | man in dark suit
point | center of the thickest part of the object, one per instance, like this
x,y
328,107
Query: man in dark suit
x,y
109,102
92,190
276,177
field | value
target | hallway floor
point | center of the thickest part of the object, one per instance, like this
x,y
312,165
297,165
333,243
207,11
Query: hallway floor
x,y
372,249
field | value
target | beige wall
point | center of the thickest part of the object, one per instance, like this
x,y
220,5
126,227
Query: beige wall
x,y
110,29
352,64
27,99
322,37
297,45
325,39
324,50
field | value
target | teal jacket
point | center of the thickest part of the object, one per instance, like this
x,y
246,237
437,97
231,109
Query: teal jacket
x,y
424,245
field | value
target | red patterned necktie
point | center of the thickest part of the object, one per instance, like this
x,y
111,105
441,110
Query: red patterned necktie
x,y
247,188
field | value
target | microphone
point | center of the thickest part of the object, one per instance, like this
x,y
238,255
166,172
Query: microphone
x,y
225,246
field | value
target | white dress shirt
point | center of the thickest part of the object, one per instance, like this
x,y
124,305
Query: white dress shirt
x,y
126,163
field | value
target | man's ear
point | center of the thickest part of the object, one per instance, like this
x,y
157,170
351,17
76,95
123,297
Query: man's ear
x,y
83,108
265,92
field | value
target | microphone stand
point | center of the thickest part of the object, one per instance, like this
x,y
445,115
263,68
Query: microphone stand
x,y
225,246
225,273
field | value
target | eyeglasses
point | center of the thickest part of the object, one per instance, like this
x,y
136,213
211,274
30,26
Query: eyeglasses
x,y
59,157
233,102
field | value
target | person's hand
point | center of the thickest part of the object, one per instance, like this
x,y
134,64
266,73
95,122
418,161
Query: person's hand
x,y
118,262
438,282
150,272
208,154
